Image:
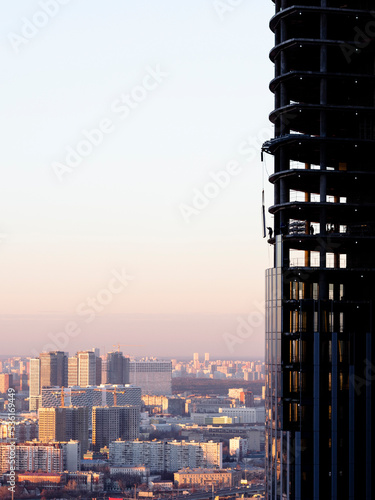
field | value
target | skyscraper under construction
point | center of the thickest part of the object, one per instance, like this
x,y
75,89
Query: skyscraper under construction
x,y
320,293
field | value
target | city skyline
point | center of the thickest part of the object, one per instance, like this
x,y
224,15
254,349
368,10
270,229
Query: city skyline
x,y
135,206
132,248
112,435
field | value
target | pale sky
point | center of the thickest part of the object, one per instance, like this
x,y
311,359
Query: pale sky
x,y
179,89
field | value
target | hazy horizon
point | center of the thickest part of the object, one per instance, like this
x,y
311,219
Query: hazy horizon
x,y
223,336
132,175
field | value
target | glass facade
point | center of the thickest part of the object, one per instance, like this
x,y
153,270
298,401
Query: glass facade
x,y
320,294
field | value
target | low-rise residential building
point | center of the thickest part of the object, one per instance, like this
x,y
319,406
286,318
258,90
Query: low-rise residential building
x,y
207,404
86,481
21,431
253,434
201,478
246,415
173,405
213,418
161,485
141,471
45,480
81,481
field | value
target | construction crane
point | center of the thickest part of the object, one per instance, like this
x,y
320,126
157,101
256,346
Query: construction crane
x,y
100,389
125,345
112,391
71,392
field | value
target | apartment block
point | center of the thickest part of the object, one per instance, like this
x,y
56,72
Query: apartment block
x,y
169,456
154,377
116,422
35,456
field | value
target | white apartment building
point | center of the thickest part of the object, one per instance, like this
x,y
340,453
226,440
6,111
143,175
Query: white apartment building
x,y
35,456
169,456
71,455
34,384
246,415
238,446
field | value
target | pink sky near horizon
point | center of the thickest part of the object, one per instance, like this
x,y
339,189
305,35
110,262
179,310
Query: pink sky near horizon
x,y
62,243
223,336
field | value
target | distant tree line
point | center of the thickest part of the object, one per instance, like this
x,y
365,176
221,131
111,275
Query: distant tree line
x,y
206,386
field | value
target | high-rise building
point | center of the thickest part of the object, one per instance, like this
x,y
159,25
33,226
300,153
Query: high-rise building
x,y
104,395
34,384
115,422
6,381
52,424
24,382
247,399
104,369
320,293
49,370
154,377
116,368
53,369
23,367
96,351
86,368
98,378
64,424
72,371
